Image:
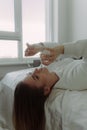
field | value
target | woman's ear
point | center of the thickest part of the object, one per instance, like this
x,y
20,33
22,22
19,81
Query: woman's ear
x,y
46,90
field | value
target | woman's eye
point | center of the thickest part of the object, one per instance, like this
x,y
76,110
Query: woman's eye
x,y
37,77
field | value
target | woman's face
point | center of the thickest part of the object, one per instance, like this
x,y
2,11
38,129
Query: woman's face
x,y
40,78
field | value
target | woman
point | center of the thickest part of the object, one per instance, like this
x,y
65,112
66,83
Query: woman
x,y
64,73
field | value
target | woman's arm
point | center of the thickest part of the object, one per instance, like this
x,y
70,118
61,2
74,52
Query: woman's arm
x,y
77,49
39,47
49,51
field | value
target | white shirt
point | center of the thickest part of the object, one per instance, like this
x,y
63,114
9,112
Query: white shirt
x,y
72,73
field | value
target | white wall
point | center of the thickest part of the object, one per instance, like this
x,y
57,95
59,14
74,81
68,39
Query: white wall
x,y
62,21
78,19
72,20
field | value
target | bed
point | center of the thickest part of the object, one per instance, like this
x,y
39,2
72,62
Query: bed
x,y
64,109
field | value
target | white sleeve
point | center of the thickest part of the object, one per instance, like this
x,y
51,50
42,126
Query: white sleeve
x,y
50,44
74,76
77,49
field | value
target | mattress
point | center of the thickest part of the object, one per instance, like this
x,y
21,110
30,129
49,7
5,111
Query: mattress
x,y
64,109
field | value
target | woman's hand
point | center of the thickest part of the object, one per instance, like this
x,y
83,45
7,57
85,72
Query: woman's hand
x,y
52,55
31,49
48,58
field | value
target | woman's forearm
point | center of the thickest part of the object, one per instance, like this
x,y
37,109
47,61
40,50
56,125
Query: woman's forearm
x,y
76,48
59,49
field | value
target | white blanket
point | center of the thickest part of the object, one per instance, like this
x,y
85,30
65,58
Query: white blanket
x,y
74,110
64,110
53,111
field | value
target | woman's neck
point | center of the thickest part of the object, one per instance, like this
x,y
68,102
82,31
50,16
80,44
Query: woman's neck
x,y
55,78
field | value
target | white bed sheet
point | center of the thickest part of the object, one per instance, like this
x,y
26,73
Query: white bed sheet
x,y
65,110
6,100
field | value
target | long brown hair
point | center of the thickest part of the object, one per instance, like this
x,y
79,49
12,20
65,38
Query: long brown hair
x,y
28,108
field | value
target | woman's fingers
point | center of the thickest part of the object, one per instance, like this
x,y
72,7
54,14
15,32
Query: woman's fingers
x,y
46,59
45,63
30,50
